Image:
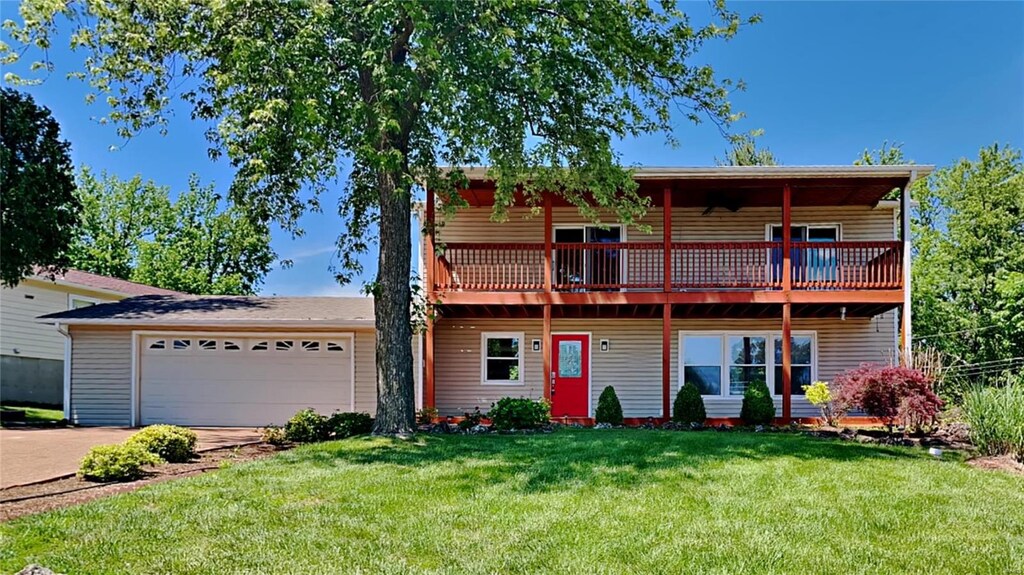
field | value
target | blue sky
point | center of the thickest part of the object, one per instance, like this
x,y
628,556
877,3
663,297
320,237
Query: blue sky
x,y
825,80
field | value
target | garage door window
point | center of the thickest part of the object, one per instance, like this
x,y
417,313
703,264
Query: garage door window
x,y
284,345
231,345
259,346
157,344
182,344
334,346
208,344
311,346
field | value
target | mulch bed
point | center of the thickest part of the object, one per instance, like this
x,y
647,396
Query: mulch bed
x,y
64,492
998,463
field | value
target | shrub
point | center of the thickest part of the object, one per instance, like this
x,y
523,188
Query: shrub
x,y
758,407
519,413
892,394
471,419
341,425
996,418
819,393
274,435
689,405
118,462
426,415
609,410
168,442
307,426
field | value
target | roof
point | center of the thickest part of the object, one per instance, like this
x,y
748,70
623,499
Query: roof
x,y
100,283
735,187
226,311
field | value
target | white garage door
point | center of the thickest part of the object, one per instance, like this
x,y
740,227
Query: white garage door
x,y
217,380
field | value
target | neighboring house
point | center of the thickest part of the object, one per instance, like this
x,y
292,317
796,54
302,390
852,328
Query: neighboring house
x,y
219,360
33,354
738,262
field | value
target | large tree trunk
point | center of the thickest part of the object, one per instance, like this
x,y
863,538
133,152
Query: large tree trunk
x,y
396,397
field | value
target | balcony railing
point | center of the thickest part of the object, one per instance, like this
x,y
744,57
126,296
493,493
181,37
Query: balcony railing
x,y
696,266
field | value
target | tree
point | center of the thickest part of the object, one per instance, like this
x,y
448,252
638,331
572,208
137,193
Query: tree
x,y
744,152
38,207
537,89
887,155
968,260
132,230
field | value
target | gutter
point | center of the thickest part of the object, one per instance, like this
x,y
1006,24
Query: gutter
x,y
67,369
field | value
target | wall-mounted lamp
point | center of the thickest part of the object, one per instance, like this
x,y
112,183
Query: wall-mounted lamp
x,y
536,345
842,313
605,345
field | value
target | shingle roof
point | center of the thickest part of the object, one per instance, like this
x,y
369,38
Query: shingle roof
x,y
224,310
105,283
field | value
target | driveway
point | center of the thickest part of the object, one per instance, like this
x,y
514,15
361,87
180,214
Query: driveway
x,y
29,455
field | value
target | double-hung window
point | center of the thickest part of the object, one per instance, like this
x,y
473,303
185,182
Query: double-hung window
x,y
726,364
809,263
501,358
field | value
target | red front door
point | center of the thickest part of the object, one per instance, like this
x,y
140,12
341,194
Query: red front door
x,y
570,369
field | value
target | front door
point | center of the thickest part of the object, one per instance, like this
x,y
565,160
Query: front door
x,y
570,370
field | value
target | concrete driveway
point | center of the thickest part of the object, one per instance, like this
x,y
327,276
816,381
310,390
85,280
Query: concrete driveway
x,y
28,455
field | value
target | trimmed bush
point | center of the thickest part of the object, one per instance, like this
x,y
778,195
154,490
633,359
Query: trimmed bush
x,y
347,424
519,413
609,410
307,426
996,418
168,442
118,462
274,435
891,394
689,405
758,407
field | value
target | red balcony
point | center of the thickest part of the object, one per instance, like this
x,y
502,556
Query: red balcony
x,y
693,266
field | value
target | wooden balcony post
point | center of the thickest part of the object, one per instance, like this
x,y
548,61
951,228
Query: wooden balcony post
x,y
546,346
667,239
787,239
666,359
429,267
906,331
547,245
787,307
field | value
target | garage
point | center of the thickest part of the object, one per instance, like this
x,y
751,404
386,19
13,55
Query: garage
x,y
242,380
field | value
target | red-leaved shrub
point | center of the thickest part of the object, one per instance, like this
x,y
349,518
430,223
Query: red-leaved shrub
x,y
892,394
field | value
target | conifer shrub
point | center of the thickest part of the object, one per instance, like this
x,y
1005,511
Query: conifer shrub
x,y
689,405
758,407
609,410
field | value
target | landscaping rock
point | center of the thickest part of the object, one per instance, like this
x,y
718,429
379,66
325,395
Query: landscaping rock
x,y
603,426
696,425
724,427
758,428
478,428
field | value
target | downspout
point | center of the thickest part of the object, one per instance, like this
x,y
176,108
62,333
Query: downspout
x,y
67,370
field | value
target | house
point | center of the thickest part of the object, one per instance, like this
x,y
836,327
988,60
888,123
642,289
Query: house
x,y
783,275
33,355
218,360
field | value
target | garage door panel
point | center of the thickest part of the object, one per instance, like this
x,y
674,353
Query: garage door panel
x,y
222,380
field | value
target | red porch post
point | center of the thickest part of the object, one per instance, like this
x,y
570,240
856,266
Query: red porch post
x,y
546,346
429,265
787,286
666,358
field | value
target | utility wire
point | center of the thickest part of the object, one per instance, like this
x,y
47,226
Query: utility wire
x,y
988,327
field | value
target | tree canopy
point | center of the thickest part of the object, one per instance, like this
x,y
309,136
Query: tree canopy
x,y
745,152
196,244
38,206
538,89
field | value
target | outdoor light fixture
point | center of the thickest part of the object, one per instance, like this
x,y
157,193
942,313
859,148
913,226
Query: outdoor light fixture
x,y
536,345
842,313
604,345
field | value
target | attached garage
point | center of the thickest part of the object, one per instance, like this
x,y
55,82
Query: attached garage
x,y
239,380
219,360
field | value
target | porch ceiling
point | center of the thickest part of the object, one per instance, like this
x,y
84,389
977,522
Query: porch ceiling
x,y
679,311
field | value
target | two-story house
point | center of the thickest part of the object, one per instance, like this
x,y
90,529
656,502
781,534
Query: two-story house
x,y
781,274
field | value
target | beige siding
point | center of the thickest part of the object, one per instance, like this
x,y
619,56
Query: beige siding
x,y
633,362
857,223
101,374
19,308
475,225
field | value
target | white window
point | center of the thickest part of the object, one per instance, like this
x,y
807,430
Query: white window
x,y
726,364
501,358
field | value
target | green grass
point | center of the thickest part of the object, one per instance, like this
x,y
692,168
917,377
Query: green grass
x,y
586,501
36,414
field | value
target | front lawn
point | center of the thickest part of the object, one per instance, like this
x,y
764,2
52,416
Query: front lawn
x,y
35,414
589,501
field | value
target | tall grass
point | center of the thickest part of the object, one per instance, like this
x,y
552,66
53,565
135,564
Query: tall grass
x,y
996,417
